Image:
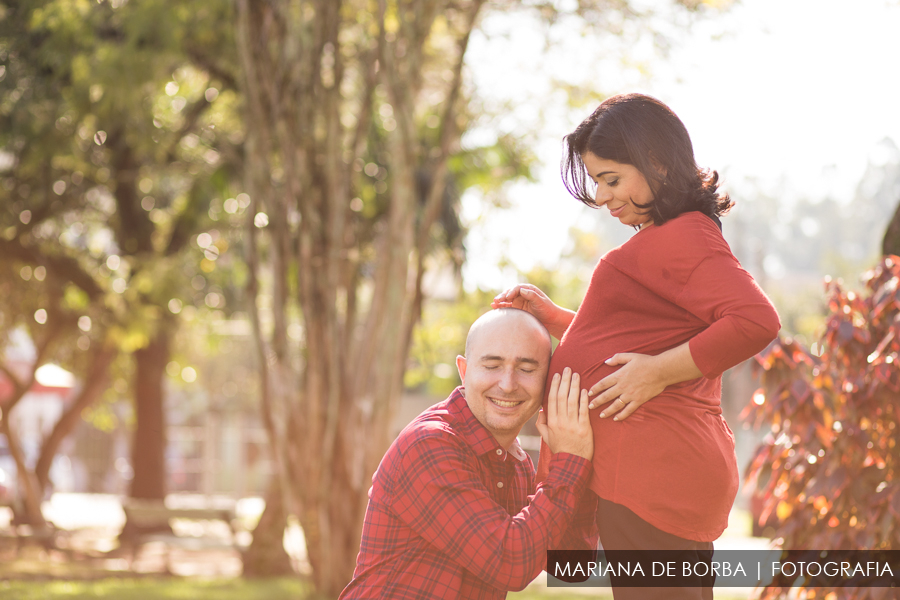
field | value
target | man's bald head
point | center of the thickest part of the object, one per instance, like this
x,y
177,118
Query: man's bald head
x,y
496,320
504,370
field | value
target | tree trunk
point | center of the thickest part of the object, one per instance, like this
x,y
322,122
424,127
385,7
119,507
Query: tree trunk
x,y
148,451
266,556
29,511
891,243
149,446
352,280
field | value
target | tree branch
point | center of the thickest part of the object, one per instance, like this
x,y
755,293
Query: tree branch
x,y
193,115
95,382
228,80
64,267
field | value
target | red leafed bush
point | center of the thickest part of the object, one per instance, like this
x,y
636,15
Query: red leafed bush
x,y
828,470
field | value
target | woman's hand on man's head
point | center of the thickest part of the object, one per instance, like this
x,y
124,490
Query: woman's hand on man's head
x,y
530,298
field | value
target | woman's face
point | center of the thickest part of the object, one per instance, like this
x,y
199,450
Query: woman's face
x,y
619,188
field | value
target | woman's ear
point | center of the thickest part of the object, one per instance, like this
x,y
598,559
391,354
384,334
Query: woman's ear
x,y
658,167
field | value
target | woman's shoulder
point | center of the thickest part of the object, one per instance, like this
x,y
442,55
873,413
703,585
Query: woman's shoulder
x,y
688,232
670,251
691,221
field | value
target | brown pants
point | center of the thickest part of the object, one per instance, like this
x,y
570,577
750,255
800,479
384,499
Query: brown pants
x,y
621,529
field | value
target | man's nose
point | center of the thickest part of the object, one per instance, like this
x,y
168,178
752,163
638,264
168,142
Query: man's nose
x,y
507,381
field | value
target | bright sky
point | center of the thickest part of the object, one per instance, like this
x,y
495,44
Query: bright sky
x,y
794,93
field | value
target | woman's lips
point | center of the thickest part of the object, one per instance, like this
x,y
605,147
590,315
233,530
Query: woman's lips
x,y
617,212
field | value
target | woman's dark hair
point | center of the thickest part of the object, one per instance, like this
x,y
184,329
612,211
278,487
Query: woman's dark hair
x,y
643,132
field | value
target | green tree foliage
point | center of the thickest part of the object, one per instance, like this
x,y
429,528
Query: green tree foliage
x,y
439,338
828,470
118,135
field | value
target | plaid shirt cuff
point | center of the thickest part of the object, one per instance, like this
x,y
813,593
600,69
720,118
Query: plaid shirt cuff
x,y
568,470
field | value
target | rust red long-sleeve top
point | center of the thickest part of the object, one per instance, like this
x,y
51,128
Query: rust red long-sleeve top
x,y
672,461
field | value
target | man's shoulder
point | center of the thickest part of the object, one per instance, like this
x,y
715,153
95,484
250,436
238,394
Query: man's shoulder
x,y
433,428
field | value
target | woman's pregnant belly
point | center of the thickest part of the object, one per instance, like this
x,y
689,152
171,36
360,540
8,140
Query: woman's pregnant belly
x,y
672,461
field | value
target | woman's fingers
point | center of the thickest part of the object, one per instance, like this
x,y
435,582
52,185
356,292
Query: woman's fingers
x,y
602,385
520,289
614,408
627,410
583,413
604,391
506,295
508,298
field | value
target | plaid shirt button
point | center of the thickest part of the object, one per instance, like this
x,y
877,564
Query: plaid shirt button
x,y
499,484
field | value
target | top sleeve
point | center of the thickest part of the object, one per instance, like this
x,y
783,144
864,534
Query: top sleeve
x,y
688,262
742,319
439,495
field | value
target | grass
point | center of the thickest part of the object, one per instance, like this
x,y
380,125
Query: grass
x,y
559,594
587,593
156,589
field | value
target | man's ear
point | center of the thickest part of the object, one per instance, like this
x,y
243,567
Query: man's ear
x,y
461,367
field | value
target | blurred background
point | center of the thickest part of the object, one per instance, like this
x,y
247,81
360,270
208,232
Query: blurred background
x,y
241,244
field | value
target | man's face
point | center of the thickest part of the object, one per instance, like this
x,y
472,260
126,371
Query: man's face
x,y
504,373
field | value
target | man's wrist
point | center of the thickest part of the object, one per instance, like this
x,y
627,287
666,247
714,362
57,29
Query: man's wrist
x,y
581,452
570,467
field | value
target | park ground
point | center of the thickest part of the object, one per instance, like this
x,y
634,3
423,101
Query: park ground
x,y
88,565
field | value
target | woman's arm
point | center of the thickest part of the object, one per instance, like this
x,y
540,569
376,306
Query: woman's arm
x,y
741,322
529,298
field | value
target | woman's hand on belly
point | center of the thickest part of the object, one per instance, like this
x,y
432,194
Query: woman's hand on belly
x,y
641,378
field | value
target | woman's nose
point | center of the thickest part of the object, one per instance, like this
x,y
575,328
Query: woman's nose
x,y
602,196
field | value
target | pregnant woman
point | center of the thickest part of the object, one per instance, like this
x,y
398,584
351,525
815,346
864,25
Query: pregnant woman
x,y
665,314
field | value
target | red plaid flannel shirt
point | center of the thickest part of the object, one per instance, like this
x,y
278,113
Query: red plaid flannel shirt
x,y
451,513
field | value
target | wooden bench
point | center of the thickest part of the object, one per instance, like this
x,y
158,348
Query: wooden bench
x,y
148,515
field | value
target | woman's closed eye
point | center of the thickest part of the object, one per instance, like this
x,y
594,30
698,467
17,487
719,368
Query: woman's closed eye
x,y
612,182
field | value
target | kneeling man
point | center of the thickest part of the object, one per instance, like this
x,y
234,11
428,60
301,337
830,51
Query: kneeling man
x,y
453,510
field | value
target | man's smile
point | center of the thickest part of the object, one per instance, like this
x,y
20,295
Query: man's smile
x,y
505,403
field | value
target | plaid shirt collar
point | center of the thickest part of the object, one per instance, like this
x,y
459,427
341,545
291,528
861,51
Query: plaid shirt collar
x,y
473,432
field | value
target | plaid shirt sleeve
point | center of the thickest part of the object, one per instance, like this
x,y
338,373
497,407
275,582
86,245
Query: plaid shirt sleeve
x,y
582,533
440,495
